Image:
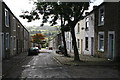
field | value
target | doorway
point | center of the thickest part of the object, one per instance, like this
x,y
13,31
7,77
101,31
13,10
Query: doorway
x,y
92,46
3,54
111,45
81,46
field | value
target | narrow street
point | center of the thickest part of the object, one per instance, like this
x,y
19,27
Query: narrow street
x,y
54,40
45,65
39,66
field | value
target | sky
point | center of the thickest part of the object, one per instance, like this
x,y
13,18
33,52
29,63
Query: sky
x,y
17,6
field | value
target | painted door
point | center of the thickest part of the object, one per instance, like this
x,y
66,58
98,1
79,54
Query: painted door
x,y
92,48
3,54
17,47
81,46
111,46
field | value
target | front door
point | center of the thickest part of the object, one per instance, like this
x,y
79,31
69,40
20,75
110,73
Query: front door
x,y
111,44
3,54
81,46
92,48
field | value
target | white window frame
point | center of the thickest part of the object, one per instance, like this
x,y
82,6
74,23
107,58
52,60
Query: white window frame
x,y
7,18
101,33
99,19
87,24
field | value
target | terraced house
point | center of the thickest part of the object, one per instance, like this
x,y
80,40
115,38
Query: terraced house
x,y
15,37
107,30
85,34
98,33
0,29
68,39
0,40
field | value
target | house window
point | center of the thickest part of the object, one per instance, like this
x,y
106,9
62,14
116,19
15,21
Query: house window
x,y
87,23
7,40
14,24
78,29
6,18
86,43
92,20
101,41
101,16
78,40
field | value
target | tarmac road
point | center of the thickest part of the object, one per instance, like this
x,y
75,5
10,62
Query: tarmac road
x,y
39,66
45,65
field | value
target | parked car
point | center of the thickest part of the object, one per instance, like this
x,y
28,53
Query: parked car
x,y
46,47
50,48
33,51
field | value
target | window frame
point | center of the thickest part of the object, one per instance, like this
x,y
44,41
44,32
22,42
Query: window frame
x,y
87,23
7,18
99,18
100,49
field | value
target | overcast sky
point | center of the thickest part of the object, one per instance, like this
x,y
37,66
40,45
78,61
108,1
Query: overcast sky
x,y
17,6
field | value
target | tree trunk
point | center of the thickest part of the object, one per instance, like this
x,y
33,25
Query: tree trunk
x,y
76,53
63,36
64,42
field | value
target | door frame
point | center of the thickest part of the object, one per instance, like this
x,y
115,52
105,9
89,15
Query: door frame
x,y
111,32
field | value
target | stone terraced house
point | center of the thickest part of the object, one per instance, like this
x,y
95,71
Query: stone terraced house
x,y
14,36
107,30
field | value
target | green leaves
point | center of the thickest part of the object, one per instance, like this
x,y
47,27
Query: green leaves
x,y
71,11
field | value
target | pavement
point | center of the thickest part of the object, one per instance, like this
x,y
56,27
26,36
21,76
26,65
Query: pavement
x,y
9,64
86,60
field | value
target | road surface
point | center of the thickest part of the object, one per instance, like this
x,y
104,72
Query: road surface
x,y
45,65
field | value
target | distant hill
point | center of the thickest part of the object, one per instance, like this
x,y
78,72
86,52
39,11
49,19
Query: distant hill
x,y
46,30
41,28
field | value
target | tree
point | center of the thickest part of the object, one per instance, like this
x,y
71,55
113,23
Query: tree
x,y
38,38
69,13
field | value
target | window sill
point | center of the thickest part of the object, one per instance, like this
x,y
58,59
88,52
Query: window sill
x,y
86,49
101,24
6,25
77,33
100,51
